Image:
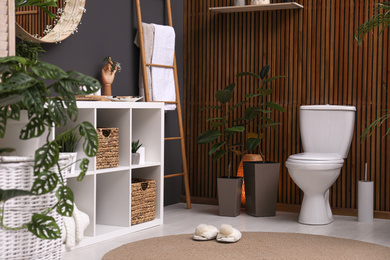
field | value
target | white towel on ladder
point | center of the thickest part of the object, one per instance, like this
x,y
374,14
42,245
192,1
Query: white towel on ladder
x,y
163,82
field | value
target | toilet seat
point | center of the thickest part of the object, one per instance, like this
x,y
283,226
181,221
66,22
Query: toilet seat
x,y
316,158
319,161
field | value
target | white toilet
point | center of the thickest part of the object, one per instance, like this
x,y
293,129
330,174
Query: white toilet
x,y
326,134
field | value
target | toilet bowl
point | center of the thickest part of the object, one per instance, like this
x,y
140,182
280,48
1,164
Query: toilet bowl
x,y
314,173
326,134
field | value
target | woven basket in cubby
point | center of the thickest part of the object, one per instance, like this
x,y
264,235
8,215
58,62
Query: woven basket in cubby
x,y
143,200
108,152
17,173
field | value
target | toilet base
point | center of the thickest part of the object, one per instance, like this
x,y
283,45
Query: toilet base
x,y
315,210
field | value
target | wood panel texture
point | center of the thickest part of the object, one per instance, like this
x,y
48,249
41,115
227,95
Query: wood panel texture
x,y
315,49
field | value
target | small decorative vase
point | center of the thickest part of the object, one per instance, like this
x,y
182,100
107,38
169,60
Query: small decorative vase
x,y
239,2
260,2
74,159
135,158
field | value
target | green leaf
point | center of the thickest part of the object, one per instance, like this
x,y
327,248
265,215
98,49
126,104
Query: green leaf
x,y
217,124
46,70
235,129
265,91
3,121
91,142
9,100
231,87
44,227
251,112
264,71
237,105
248,74
45,157
275,106
44,183
218,155
252,143
12,193
65,201
271,79
89,84
216,147
215,118
253,95
223,96
208,136
84,168
273,125
6,150
211,107
34,128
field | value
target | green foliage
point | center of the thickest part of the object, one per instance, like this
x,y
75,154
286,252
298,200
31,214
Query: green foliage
x,y
68,140
380,18
114,64
135,145
261,112
28,84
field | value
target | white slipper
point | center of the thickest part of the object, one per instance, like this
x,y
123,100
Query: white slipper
x,y
228,234
205,232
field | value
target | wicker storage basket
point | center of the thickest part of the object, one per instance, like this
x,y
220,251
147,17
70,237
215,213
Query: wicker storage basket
x,y
143,200
108,152
17,173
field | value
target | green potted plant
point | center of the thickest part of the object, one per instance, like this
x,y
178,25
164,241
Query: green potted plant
x,y
135,157
224,127
27,85
261,178
67,144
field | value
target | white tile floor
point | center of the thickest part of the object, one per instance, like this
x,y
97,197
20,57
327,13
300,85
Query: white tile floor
x,y
179,220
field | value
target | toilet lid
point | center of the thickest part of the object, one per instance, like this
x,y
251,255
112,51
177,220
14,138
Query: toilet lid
x,y
316,158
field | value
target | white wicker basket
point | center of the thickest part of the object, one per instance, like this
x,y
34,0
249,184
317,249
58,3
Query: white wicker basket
x,y
17,173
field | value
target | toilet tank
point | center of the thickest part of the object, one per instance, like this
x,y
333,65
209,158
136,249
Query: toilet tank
x,y
327,128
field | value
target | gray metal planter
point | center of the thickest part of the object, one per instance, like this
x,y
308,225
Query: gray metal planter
x,y
229,196
261,188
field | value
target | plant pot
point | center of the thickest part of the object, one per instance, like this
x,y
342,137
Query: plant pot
x,y
135,158
240,172
229,196
261,188
260,2
239,2
74,159
22,147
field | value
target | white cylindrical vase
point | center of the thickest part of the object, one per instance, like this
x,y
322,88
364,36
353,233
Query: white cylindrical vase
x,y
366,201
239,2
260,2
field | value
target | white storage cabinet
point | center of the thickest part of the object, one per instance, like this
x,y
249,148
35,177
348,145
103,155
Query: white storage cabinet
x,y
105,194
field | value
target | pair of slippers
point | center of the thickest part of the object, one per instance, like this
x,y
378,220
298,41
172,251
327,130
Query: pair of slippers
x,y
226,233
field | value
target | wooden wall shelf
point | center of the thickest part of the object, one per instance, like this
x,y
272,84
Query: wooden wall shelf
x,y
253,8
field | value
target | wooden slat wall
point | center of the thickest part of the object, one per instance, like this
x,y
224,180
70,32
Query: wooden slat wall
x,y
315,49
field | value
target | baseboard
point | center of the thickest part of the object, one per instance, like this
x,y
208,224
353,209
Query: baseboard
x,y
293,208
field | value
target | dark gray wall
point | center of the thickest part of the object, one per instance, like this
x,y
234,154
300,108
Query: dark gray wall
x,y
108,28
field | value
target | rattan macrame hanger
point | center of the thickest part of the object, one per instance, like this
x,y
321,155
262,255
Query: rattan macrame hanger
x,y
177,102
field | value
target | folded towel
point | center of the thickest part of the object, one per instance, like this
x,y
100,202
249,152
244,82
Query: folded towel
x,y
148,31
159,49
74,227
163,82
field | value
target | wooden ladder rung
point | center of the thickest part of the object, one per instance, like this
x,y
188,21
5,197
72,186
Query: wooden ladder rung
x,y
173,138
160,65
173,175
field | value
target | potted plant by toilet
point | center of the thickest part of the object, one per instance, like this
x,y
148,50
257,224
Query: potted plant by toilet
x,y
33,191
261,177
135,157
224,127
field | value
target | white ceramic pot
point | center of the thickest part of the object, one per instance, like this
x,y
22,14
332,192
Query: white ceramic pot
x,y
11,138
74,159
260,2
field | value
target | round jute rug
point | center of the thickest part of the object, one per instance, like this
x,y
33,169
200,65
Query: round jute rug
x,y
253,245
